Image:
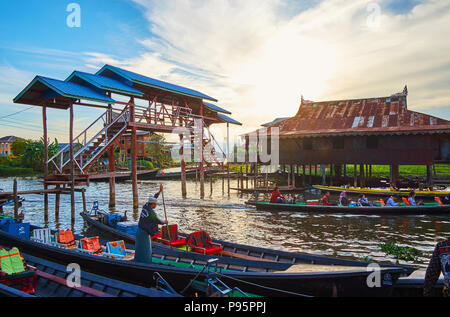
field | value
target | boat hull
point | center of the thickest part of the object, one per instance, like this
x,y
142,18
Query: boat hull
x,y
400,210
380,192
346,283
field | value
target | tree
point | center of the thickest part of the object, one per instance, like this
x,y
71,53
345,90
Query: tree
x,y
157,150
33,154
18,146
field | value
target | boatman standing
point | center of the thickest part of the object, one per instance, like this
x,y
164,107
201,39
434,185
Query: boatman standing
x,y
147,228
440,262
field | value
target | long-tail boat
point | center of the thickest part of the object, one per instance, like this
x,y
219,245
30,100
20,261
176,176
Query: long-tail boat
x,y
382,192
375,209
51,281
307,276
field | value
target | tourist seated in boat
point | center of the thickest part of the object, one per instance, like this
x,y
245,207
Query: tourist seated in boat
x,y
325,199
147,227
276,196
391,202
343,199
439,263
363,201
412,199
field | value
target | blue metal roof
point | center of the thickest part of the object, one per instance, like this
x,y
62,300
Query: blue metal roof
x,y
215,108
227,119
105,83
66,89
147,81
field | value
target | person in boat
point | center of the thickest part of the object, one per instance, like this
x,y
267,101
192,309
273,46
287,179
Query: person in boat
x,y
325,199
343,199
363,201
412,199
439,263
147,228
276,196
391,202
446,200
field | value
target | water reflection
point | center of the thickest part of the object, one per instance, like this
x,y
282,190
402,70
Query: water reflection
x,y
227,218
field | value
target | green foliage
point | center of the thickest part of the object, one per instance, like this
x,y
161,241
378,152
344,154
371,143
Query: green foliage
x,y
18,146
33,154
401,253
145,164
158,151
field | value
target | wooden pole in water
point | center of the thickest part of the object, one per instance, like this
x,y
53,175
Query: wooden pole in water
x,y
202,169
134,157
304,175
183,168
83,195
72,166
57,203
355,175
16,199
45,137
228,157
111,165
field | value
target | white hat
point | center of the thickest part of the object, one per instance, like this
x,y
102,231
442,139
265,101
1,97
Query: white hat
x,y
152,200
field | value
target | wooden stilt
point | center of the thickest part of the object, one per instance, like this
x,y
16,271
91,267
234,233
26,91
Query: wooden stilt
x,y
228,157
293,176
202,168
16,199
112,179
134,158
355,175
183,168
72,166
304,175
57,203
45,139
83,196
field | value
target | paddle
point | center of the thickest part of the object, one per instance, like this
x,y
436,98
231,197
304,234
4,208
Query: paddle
x,y
165,216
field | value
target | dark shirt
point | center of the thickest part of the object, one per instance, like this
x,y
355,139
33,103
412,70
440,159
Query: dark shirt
x,y
149,221
440,262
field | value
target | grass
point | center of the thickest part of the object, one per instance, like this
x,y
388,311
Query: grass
x,y
9,171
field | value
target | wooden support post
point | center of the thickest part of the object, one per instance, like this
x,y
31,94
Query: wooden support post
x,y
16,199
331,174
45,137
304,175
310,174
112,179
183,168
429,175
355,175
57,203
228,157
83,196
293,176
202,169
242,179
345,172
134,158
361,175
72,166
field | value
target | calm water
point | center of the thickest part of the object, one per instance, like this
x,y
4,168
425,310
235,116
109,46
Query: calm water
x,y
227,218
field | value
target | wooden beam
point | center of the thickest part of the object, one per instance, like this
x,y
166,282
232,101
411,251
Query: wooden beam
x,y
45,137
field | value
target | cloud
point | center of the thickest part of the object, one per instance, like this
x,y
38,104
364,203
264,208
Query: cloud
x,y
258,62
259,57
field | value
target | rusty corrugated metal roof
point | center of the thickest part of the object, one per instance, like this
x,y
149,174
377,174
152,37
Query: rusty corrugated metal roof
x,y
385,115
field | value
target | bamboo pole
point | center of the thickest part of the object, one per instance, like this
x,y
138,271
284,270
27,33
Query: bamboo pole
x,y
183,168
16,199
228,157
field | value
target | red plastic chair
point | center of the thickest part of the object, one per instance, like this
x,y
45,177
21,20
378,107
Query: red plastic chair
x,y
169,236
200,242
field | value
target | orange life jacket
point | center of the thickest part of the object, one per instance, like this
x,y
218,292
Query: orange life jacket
x,y
438,200
67,238
406,201
92,244
382,202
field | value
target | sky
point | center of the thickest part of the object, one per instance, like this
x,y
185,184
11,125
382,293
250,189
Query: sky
x,y
256,57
